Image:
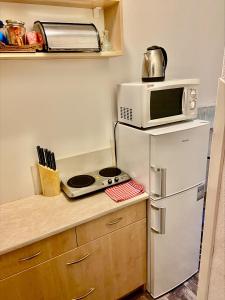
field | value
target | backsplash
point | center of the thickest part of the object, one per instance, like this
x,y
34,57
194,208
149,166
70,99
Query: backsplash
x,y
207,113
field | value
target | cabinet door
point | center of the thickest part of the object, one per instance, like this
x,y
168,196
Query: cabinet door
x,y
37,283
127,257
85,272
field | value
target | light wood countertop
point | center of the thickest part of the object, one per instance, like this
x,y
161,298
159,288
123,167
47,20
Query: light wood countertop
x,y
29,220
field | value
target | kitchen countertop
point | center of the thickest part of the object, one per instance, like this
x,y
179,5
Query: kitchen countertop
x,y
29,220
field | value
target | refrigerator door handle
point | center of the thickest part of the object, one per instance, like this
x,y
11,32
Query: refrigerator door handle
x,y
163,182
162,219
162,172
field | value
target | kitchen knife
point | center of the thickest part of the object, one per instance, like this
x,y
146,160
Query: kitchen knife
x,y
47,158
50,159
43,157
53,161
39,155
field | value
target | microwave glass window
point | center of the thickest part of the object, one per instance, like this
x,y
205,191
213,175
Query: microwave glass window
x,y
166,103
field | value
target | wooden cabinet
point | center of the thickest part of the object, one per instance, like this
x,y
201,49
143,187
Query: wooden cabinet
x,y
107,267
112,21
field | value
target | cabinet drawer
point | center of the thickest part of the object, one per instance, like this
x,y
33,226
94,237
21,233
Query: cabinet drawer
x,y
29,256
106,224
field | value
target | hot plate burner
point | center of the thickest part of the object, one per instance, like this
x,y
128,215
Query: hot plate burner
x,y
110,172
81,181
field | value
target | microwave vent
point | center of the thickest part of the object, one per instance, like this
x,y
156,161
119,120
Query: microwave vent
x,y
126,113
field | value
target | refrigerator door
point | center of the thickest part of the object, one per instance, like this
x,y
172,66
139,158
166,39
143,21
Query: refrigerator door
x,y
175,236
177,159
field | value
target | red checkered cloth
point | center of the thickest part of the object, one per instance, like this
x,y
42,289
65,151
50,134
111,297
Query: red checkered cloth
x,y
125,191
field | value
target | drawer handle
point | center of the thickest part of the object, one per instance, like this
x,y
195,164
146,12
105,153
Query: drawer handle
x,y
30,257
84,296
79,260
115,221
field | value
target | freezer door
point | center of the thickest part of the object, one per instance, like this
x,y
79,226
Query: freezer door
x,y
178,160
175,235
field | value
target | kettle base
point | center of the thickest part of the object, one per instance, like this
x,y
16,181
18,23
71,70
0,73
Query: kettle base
x,y
152,79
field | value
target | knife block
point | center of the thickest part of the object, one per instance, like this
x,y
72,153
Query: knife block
x,y
50,182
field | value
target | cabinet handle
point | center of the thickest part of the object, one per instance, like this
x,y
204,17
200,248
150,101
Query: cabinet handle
x,y
30,257
84,296
114,221
79,260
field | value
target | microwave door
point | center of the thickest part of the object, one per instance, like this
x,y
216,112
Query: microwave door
x,y
166,103
178,160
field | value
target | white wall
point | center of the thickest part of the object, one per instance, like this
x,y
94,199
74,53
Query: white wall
x,y
69,105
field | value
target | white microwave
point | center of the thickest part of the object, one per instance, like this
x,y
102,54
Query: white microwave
x,y
151,104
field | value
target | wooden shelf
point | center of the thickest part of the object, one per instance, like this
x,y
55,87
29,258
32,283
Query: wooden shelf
x,y
71,3
41,55
112,10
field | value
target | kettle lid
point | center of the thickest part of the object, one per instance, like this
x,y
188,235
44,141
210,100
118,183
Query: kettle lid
x,y
153,48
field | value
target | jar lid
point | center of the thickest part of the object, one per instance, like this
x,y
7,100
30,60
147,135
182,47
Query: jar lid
x,y
14,22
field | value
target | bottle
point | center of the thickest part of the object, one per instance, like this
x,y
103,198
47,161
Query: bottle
x,y
3,38
106,44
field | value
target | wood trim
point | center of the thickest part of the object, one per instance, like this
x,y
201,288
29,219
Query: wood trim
x,y
43,55
213,193
114,24
68,3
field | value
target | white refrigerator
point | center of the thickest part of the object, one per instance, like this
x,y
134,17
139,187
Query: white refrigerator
x,y
171,163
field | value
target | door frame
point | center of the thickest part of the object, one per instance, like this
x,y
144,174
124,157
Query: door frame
x,y
213,193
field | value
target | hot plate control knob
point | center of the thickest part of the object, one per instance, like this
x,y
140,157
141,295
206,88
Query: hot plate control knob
x,y
109,181
116,179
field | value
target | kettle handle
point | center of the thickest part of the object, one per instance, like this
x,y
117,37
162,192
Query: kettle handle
x,y
146,61
165,55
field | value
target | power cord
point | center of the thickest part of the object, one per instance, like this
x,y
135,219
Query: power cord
x,y
115,150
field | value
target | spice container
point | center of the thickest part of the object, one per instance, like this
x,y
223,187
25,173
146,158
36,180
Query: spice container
x,y
16,32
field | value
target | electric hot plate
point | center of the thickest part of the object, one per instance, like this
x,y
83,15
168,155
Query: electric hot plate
x,y
82,184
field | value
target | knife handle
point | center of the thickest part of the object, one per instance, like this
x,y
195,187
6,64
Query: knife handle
x,y
39,155
47,158
53,161
42,157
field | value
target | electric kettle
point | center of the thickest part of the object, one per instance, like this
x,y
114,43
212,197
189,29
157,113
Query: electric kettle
x,y
154,64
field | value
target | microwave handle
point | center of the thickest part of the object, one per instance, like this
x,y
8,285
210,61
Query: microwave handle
x,y
162,172
184,101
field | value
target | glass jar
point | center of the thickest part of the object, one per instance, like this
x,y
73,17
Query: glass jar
x,y
106,44
16,32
